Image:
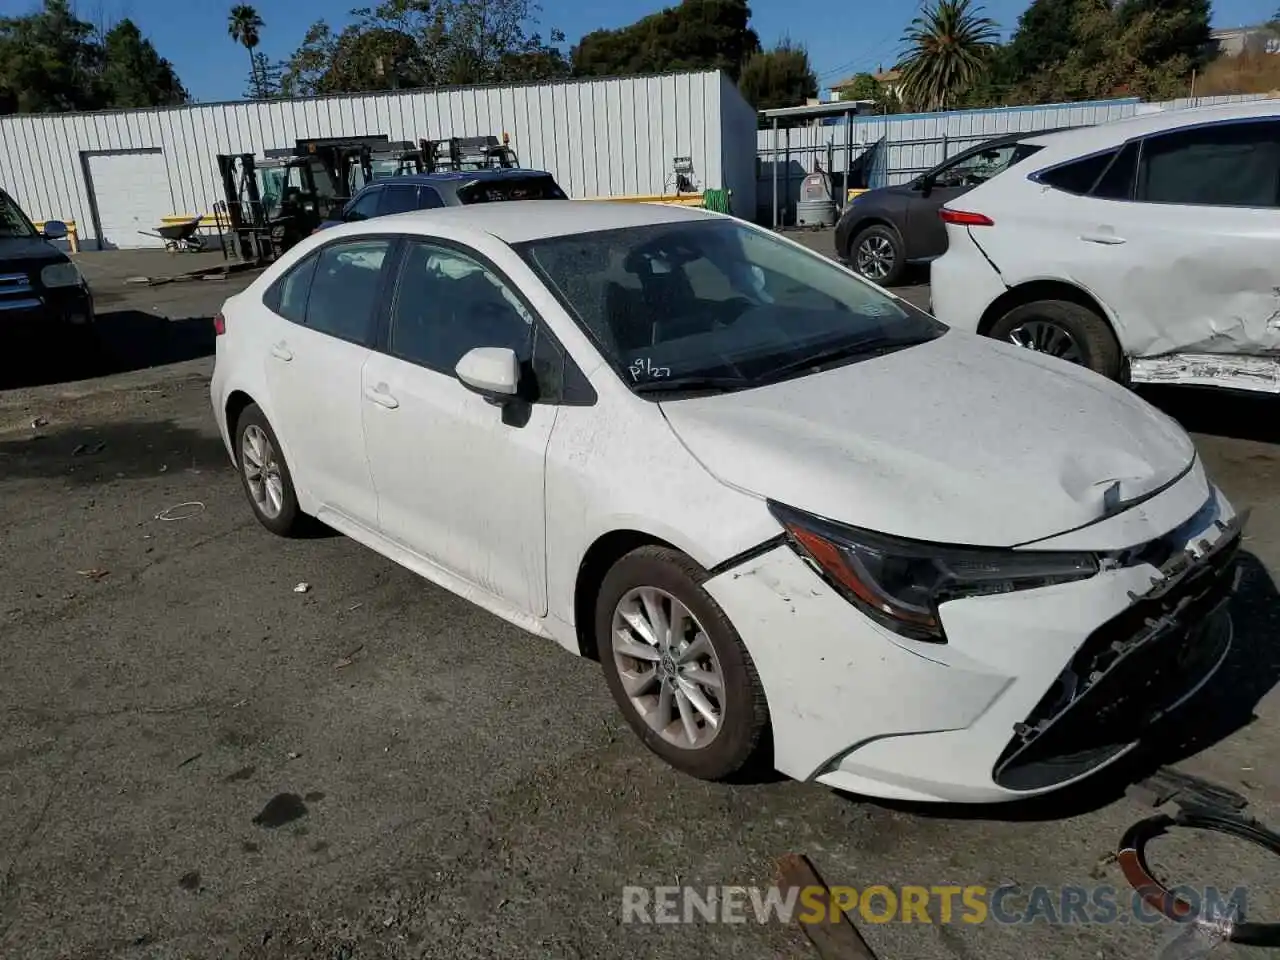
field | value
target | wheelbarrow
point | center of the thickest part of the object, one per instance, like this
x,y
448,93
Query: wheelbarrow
x,y
179,237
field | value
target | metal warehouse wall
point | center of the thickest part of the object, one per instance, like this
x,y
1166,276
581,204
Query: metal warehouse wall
x,y
915,143
608,137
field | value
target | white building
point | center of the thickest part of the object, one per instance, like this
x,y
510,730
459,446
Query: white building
x,y
116,173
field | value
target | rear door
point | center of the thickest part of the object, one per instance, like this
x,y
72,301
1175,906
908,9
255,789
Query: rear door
x,y
315,356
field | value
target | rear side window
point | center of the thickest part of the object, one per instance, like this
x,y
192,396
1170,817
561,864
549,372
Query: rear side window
x,y
515,188
344,291
1077,176
288,295
429,198
1116,182
399,198
1222,165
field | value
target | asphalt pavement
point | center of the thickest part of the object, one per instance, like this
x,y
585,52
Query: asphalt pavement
x,y
199,758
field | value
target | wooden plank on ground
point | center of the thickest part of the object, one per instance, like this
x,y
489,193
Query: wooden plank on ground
x,y
834,939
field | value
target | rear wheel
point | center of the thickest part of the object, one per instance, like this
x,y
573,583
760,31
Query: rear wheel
x,y
1062,329
265,475
876,253
676,666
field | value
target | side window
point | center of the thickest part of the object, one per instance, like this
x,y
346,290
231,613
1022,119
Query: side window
x,y
1078,176
977,168
1223,165
288,295
447,303
364,207
1117,182
399,198
429,198
344,291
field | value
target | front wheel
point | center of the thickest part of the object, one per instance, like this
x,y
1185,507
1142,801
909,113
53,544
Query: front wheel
x,y
676,666
1064,330
877,254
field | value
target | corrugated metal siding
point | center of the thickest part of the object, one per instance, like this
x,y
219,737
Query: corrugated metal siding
x,y
915,143
598,137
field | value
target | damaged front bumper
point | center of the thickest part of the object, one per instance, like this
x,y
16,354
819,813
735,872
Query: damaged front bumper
x,y
859,708
1132,670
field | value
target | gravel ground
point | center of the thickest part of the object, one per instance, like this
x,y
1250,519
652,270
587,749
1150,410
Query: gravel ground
x,y
198,761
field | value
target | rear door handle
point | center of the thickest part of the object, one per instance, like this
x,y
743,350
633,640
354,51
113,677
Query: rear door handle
x,y
381,396
1106,239
281,351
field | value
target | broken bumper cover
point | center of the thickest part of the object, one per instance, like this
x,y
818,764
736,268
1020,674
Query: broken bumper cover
x,y
987,716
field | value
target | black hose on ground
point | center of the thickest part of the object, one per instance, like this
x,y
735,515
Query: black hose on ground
x,y
1133,862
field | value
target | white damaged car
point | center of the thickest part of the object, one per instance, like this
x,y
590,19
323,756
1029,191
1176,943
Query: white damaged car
x,y
795,518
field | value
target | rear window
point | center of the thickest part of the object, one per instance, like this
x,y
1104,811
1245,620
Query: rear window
x,y
515,188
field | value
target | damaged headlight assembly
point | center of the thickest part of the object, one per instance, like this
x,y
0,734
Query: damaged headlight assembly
x,y
901,583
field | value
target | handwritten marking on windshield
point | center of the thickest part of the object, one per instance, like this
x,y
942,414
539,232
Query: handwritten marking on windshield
x,y
643,366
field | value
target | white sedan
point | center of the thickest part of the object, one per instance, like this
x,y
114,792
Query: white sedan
x,y
799,522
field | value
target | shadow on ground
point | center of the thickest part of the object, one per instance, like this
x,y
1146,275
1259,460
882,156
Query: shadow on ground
x,y
106,452
1220,413
126,340
1224,706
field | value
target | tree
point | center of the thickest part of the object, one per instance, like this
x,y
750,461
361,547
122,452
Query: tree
x,y
696,35
1045,36
947,49
781,77
1174,29
244,26
134,74
265,79
52,61
862,86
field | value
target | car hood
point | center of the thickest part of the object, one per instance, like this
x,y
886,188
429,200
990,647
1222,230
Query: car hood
x,y
961,440
27,254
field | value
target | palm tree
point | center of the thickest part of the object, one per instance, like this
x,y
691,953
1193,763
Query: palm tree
x,y
245,28
947,49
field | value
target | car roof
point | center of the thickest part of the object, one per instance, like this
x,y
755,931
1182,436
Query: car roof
x,y
464,176
1080,141
535,219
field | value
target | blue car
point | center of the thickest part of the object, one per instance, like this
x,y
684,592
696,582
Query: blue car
x,y
426,191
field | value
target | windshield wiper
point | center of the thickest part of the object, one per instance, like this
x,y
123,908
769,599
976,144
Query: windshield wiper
x,y
681,384
866,347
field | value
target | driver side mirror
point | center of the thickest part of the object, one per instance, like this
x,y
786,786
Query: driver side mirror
x,y
492,372
54,230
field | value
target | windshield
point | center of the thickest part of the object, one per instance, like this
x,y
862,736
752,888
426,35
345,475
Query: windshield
x,y
716,304
511,188
13,222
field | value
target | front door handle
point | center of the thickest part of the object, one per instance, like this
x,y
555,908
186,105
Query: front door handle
x,y
281,351
1106,239
381,396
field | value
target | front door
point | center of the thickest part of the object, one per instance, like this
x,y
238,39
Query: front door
x,y
460,481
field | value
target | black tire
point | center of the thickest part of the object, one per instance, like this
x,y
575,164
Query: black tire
x,y
740,745
879,234
1092,335
289,521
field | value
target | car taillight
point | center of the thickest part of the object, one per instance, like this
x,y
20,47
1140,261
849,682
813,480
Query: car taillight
x,y
219,324
963,218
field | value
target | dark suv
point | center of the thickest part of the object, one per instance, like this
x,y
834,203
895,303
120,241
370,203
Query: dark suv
x,y
884,230
425,191
42,294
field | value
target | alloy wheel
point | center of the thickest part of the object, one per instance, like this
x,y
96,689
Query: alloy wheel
x,y
1043,336
875,258
262,471
668,667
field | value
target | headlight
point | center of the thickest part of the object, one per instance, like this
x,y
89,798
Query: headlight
x,y
901,583
61,275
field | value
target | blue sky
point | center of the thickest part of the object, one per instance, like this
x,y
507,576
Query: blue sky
x,y
193,33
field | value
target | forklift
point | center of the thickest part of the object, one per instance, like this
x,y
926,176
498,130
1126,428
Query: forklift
x,y
468,153
273,203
